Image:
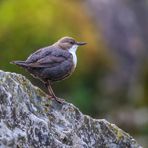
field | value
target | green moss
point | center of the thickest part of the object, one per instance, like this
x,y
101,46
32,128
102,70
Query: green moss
x,y
120,134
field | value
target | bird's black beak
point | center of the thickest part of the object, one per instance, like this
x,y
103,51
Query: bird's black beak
x,y
81,43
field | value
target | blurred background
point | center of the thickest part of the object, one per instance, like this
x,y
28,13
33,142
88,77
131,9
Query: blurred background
x,y
111,79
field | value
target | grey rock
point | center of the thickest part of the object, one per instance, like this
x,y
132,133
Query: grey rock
x,y
29,119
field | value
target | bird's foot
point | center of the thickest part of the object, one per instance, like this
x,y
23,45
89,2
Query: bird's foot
x,y
49,97
59,100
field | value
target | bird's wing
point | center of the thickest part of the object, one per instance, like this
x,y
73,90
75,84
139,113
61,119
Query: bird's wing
x,y
39,54
49,58
48,61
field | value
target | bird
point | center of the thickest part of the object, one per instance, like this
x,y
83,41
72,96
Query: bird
x,y
53,63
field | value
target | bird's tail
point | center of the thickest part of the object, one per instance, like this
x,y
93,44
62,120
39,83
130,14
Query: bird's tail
x,y
19,63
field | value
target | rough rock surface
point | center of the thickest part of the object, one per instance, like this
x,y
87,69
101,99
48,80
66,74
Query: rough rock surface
x,y
29,119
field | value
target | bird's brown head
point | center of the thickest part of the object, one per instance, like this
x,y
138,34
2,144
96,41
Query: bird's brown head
x,y
68,42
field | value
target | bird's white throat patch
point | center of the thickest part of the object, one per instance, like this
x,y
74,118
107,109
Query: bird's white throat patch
x,y
73,50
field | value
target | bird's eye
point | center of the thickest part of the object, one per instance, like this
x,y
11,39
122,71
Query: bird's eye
x,y
71,42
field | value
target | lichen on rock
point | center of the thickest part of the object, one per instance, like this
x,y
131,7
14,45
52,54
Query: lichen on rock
x,y
29,119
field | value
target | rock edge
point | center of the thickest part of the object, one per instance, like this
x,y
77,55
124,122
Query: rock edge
x,y
29,119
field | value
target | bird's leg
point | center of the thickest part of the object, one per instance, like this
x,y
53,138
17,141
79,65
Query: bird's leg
x,y
49,92
53,94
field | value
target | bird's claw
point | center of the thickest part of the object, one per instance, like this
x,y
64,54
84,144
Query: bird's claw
x,y
59,100
49,97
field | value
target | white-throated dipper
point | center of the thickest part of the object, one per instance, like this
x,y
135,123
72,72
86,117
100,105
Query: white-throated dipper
x,y
53,63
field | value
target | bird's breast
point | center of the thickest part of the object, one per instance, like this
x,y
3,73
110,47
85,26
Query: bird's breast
x,y
74,56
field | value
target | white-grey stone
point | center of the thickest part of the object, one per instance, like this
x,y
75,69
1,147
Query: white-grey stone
x,y
29,120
